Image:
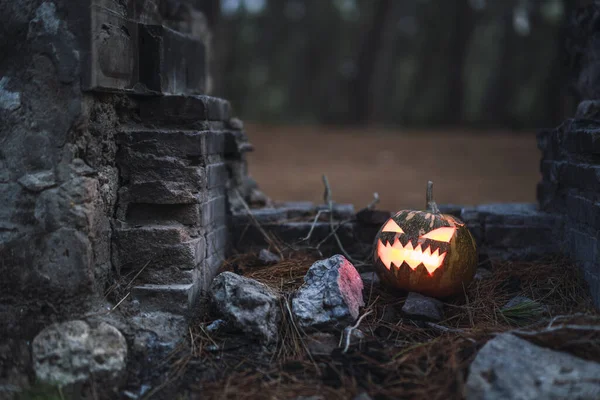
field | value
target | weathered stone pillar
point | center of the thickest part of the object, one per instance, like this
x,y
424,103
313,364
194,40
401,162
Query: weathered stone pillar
x,y
113,159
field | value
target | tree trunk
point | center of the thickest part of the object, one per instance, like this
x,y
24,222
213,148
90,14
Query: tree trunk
x,y
464,24
359,86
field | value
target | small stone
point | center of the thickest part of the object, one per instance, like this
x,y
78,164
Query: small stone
x,y
267,258
419,306
250,306
216,325
362,396
509,367
73,352
38,181
330,297
321,343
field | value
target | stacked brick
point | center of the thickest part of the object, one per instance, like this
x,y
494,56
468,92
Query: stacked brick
x,y
171,228
570,187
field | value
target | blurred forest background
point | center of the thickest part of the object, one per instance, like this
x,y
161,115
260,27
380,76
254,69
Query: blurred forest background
x,y
483,63
382,95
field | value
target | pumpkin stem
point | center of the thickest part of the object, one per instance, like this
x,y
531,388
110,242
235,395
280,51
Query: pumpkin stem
x,y
431,206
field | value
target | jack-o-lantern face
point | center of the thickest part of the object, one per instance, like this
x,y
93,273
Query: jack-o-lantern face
x,y
425,251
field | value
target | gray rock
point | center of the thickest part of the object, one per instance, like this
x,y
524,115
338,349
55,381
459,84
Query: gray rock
x,y
38,181
509,367
267,257
330,297
72,352
160,331
249,305
419,306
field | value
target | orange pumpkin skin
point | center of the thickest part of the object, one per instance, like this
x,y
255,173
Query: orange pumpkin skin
x,y
412,253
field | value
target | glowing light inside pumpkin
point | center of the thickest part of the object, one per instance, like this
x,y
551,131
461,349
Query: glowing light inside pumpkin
x,y
440,234
397,254
392,226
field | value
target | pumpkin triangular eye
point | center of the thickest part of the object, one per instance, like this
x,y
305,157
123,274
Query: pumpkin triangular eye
x,y
440,234
392,226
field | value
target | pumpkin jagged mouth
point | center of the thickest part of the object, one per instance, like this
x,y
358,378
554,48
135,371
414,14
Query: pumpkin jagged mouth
x,y
397,254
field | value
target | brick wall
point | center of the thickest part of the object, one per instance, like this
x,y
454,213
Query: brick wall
x,y
570,187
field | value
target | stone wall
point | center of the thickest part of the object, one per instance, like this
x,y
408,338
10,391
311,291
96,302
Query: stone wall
x,y
570,187
113,158
570,164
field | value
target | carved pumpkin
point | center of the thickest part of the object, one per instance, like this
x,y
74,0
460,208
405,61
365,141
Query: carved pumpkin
x,y
425,251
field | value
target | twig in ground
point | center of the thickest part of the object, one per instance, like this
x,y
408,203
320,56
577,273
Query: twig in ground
x,y
312,227
329,202
268,238
348,331
108,311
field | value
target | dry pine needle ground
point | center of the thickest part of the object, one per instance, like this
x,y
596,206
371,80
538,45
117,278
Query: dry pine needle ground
x,y
398,357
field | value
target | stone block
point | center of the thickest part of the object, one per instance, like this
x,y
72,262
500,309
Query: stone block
x,y
516,214
340,211
581,176
177,110
141,213
582,137
297,209
213,211
581,244
171,62
216,175
217,241
136,167
111,32
236,143
208,271
191,146
451,209
551,170
158,275
158,192
262,215
516,236
583,210
157,246
174,298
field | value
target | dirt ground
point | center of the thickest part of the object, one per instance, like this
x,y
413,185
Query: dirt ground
x,y
466,167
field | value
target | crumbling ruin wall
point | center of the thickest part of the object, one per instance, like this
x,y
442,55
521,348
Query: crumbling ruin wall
x,y
570,164
113,158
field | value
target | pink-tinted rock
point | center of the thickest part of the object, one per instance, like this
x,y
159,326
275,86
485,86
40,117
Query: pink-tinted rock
x,y
331,296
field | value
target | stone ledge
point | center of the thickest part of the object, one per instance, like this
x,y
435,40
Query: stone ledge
x,y
175,299
184,109
171,62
